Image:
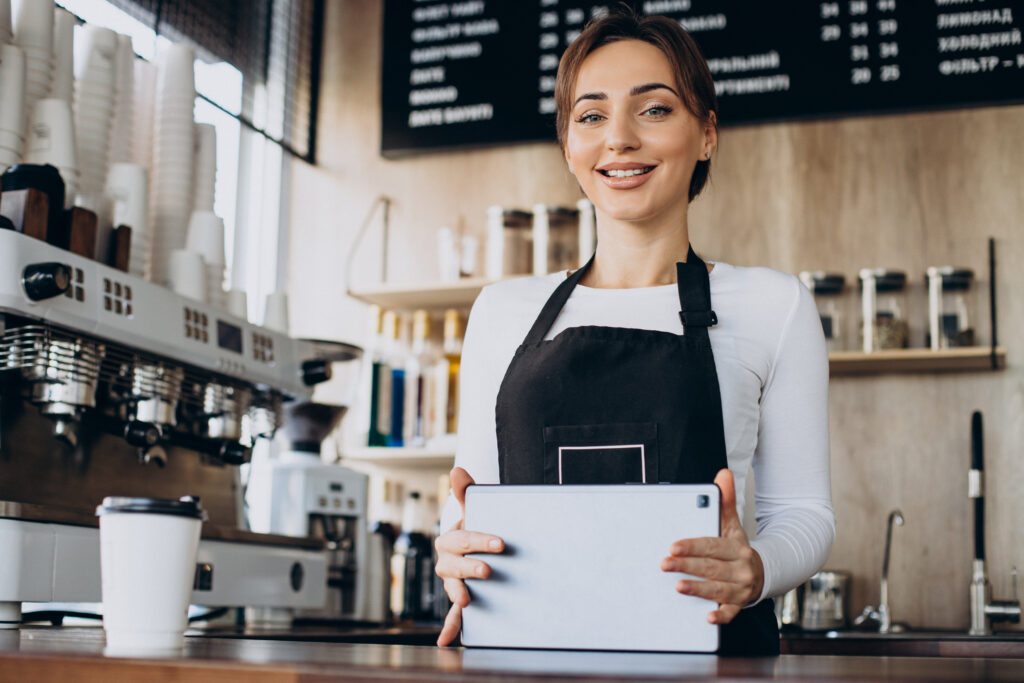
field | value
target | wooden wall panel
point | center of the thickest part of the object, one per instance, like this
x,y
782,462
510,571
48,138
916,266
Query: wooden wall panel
x,y
904,191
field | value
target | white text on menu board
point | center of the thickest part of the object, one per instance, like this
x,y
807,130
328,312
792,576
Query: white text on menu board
x,y
992,29
434,27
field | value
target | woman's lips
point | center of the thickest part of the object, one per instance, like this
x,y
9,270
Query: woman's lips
x,y
628,182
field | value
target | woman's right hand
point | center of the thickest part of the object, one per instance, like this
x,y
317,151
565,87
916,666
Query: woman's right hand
x,y
453,566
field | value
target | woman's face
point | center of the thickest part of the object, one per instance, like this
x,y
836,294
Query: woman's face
x,y
632,144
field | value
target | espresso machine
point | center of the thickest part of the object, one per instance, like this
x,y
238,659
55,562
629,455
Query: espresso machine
x,y
111,385
295,492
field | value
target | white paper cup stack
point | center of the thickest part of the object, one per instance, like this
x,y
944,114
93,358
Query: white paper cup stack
x,y
33,33
173,155
63,84
94,104
6,35
121,134
142,112
206,167
275,312
186,274
51,140
12,109
237,303
128,189
206,237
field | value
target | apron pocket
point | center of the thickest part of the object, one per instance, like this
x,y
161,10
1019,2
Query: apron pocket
x,y
622,453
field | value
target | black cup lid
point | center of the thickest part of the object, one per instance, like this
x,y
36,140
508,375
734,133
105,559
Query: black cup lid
x,y
186,506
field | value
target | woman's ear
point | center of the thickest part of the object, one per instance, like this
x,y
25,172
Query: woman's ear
x,y
710,135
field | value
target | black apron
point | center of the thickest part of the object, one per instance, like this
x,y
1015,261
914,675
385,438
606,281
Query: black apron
x,y
609,405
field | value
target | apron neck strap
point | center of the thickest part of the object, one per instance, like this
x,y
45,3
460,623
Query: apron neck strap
x,y
694,299
695,296
554,305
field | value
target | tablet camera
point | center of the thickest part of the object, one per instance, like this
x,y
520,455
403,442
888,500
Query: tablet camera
x,y
702,501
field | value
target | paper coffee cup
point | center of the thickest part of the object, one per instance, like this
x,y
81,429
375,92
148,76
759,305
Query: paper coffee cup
x,y
148,552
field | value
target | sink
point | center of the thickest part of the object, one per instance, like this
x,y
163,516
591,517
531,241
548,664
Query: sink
x,y
910,643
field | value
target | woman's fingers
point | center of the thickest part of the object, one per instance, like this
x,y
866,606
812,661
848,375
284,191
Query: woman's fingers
x,y
460,482
722,592
718,548
723,615
457,591
452,624
451,566
462,542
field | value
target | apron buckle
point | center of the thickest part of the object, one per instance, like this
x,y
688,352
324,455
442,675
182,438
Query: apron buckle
x,y
698,318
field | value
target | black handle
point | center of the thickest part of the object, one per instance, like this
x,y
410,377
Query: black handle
x,y
45,280
977,463
977,442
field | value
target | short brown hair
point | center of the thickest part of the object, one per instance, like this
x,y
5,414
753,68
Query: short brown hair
x,y
696,87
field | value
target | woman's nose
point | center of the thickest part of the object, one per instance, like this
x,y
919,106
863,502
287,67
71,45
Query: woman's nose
x,y
622,134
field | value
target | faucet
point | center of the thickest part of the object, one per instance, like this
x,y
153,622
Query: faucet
x,y
881,615
984,610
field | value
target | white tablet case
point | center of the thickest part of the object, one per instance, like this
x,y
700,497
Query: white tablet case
x,y
582,568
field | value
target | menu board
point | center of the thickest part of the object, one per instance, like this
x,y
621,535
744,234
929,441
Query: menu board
x,y
482,72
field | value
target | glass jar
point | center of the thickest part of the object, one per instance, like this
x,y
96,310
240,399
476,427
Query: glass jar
x,y
950,320
556,242
883,309
509,248
827,288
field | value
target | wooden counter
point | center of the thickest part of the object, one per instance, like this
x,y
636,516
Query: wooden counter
x,y
36,654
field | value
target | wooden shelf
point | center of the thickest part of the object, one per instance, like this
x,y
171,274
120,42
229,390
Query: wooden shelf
x,y
402,457
427,295
975,358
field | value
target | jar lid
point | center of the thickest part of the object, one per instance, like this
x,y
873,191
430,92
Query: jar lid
x,y
821,282
517,217
186,506
885,280
953,278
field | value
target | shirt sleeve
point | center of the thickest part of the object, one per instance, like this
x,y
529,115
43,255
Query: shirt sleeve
x,y
795,519
476,449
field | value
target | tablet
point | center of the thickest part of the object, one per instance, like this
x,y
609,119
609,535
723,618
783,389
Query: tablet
x,y
582,568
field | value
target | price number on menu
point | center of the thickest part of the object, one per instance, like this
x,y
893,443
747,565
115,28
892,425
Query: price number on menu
x,y
870,30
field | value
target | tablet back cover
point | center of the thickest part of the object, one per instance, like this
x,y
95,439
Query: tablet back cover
x,y
581,568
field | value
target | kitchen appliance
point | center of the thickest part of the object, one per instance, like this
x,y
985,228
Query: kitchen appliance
x,y
826,601
112,385
296,493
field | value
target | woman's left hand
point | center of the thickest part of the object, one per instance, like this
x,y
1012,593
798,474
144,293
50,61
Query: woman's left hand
x,y
732,569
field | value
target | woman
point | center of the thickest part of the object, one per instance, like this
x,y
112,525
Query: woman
x,y
712,367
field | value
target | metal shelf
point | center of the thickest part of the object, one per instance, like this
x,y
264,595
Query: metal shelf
x,y
975,358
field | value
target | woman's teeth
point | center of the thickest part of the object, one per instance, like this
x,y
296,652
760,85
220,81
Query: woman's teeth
x,y
626,173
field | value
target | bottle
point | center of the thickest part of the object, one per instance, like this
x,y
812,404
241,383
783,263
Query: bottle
x,y
452,351
396,361
380,385
417,373
412,565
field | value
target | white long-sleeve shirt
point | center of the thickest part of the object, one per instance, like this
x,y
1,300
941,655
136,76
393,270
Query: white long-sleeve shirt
x,y
772,369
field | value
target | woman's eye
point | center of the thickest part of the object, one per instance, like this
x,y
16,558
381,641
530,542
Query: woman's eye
x,y
658,111
589,118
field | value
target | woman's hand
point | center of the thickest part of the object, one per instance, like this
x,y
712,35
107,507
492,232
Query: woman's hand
x,y
453,567
734,573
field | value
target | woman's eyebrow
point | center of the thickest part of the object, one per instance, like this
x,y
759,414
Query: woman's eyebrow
x,y
634,91
647,87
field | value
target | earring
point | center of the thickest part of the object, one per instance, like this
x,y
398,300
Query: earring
x,y
707,155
